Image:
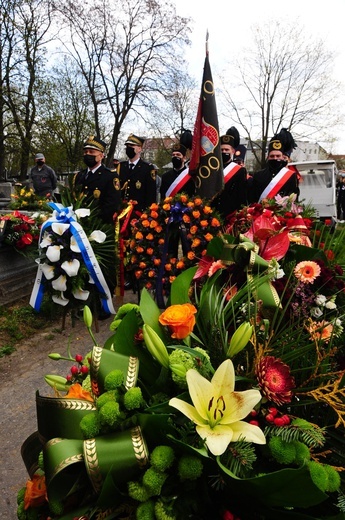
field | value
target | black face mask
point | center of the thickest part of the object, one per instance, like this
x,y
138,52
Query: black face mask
x,y
226,157
177,162
90,160
39,163
130,152
275,165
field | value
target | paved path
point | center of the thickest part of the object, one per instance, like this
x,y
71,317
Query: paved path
x,y
21,374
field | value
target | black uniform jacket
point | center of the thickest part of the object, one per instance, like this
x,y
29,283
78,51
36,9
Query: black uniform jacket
x,y
170,176
138,184
233,196
262,178
102,189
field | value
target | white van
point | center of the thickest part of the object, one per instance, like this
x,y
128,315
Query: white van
x,y
318,186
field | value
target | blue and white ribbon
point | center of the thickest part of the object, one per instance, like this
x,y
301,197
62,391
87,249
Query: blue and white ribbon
x,y
67,216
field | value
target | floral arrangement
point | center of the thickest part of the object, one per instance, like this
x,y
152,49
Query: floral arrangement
x,y
191,220
228,404
26,199
71,258
22,231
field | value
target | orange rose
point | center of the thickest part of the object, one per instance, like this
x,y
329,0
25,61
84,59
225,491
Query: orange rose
x,y
203,223
207,210
138,274
186,219
153,224
76,391
166,207
149,251
157,261
208,237
215,222
190,255
193,230
35,492
154,214
179,319
139,236
154,206
149,236
159,229
140,249
197,201
196,243
151,274
145,223
196,214
180,265
184,199
142,265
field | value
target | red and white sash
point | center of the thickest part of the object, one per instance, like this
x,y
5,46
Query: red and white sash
x,y
230,170
178,183
276,184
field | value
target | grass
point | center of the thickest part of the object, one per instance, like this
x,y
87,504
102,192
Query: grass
x,y
20,321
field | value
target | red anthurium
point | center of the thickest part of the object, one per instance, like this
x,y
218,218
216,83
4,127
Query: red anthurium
x,y
203,266
271,244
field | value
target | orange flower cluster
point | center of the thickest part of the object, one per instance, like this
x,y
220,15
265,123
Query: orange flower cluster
x,y
195,219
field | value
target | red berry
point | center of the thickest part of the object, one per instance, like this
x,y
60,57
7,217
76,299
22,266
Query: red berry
x,y
270,417
256,423
79,358
74,370
286,418
84,369
279,421
273,411
68,377
253,413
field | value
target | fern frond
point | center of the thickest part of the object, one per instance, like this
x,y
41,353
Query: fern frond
x,y
310,434
239,457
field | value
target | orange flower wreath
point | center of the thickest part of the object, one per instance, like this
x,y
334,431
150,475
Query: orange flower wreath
x,y
148,255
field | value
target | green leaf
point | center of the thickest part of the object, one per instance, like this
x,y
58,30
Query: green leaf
x,y
150,313
180,287
285,488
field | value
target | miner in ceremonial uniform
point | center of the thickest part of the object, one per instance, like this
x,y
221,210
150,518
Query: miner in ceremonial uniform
x,y
234,194
100,184
137,177
177,180
275,178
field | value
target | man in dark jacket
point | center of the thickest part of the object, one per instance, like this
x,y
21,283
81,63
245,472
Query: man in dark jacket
x,y
234,194
137,177
177,180
100,184
43,177
275,178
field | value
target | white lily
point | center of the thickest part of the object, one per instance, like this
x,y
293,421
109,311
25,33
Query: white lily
x,y
60,283
46,240
97,236
82,212
74,245
80,294
218,409
53,253
60,227
60,300
48,271
71,267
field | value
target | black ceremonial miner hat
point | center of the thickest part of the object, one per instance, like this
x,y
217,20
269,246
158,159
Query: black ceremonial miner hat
x,y
95,143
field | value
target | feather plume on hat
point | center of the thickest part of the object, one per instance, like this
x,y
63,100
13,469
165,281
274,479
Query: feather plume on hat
x,y
235,135
186,139
288,142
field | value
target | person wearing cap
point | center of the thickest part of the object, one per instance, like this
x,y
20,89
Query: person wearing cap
x,y
234,194
100,184
179,173
275,178
43,177
137,177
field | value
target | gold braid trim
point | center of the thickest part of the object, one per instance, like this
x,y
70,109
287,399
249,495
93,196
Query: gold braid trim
x,y
132,372
139,447
92,465
64,463
96,362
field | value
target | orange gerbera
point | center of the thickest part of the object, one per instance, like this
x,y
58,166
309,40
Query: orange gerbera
x,y
307,271
320,331
76,391
35,492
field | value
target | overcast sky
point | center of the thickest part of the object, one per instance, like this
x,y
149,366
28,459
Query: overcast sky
x,y
229,25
